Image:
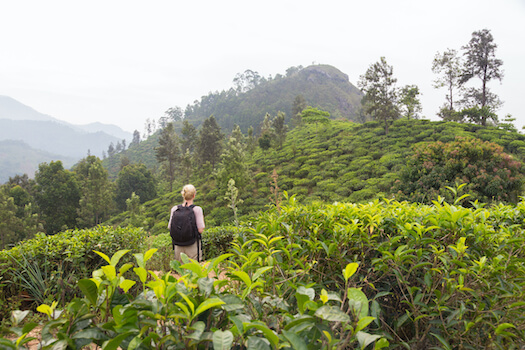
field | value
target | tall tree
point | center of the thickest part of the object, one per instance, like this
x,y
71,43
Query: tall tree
x,y
409,102
189,136
96,199
57,195
380,100
299,103
111,150
136,138
233,160
168,151
246,81
481,62
280,128
134,178
267,132
174,114
209,144
251,141
10,224
448,66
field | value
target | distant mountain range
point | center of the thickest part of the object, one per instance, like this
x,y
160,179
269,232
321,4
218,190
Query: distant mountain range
x,y
28,138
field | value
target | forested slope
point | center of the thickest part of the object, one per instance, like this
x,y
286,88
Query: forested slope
x,y
321,86
339,161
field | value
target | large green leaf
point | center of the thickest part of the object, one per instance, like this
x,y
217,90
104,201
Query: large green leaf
x,y
365,339
222,340
110,272
268,333
244,277
18,316
142,273
117,256
149,254
195,267
302,296
358,301
332,313
113,344
104,256
205,285
349,270
257,343
295,340
208,304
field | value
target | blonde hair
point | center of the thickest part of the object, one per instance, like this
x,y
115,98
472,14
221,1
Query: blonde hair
x,y
188,192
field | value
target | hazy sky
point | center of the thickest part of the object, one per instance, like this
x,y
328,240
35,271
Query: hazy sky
x,y
121,62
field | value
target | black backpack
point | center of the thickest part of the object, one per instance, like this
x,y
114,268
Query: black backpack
x,y
183,229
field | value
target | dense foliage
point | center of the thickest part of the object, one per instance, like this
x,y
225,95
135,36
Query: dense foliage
x,y
321,86
48,266
488,173
322,276
335,161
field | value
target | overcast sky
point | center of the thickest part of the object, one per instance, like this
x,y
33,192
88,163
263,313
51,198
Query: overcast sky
x,y
121,62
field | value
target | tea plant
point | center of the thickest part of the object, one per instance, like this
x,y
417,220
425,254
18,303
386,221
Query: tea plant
x,y
195,309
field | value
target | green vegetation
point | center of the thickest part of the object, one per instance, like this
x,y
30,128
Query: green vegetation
x,y
309,241
57,262
488,173
344,161
320,86
323,276
477,103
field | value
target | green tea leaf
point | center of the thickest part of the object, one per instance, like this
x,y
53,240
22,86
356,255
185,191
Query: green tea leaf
x,y
117,256
363,323
257,343
104,256
244,277
126,285
142,273
208,304
222,340
268,333
443,341
349,270
194,267
149,254
358,301
109,271
502,327
295,340
366,339
18,316
90,290
332,313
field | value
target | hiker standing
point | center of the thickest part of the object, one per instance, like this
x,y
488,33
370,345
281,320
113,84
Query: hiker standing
x,y
186,225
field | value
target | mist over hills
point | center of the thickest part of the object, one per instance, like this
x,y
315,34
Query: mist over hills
x,y
26,159
29,138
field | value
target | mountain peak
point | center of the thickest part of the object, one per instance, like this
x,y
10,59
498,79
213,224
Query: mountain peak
x,y
15,110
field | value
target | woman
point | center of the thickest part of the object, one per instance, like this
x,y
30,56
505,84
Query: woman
x,y
193,249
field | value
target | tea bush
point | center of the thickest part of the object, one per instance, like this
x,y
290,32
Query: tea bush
x,y
439,276
50,265
320,276
198,310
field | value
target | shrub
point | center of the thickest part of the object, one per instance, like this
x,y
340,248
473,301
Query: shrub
x,y
64,257
217,240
